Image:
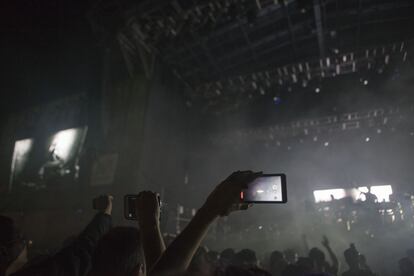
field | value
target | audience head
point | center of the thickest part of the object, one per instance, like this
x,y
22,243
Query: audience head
x,y
227,255
13,249
277,262
352,257
119,253
291,256
240,271
294,270
305,263
213,257
317,256
406,266
246,258
410,254
200,264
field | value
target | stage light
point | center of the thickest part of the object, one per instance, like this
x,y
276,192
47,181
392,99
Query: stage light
x,y
277,100
382,192
387,59
326,144
367,139
317,90
262,92
325,195
365,82
338,69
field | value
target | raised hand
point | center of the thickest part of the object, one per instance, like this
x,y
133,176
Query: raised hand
x,y
225,198
325,241
108,209
148,206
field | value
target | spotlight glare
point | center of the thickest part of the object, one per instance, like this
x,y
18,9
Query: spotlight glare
x,y
317,90
365,82
277,100
367,139
326,144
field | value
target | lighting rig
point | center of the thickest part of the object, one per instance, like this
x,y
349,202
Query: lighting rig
x,y
303,74
317,130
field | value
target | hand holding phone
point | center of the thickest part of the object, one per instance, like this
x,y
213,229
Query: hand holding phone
x,y
267,188
146,204
103,203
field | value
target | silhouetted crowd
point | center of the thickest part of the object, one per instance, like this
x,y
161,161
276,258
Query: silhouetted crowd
x,y
104,250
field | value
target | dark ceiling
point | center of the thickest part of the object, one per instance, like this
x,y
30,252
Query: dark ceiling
x,y
227,52
221,49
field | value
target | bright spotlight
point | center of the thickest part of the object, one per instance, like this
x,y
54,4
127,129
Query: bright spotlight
x,y
326,144
382,192
326,195
277,100
63,143
365,82
317,90
367,139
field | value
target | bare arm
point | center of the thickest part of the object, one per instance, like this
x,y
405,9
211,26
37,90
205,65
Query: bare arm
x,y
178,255
332,256
148,210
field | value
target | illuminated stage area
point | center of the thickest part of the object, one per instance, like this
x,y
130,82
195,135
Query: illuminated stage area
x,y
212,138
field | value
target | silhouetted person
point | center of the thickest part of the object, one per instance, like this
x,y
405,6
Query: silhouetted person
x,y
291,256
277,263
119,253
200,264
352,258
73,260
227,257
246,258
406,267
320,265
370,198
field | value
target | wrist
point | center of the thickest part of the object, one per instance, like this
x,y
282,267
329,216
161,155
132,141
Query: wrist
x,y
108,212
207,213
148,222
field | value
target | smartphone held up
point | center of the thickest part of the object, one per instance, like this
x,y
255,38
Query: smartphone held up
x,y
268,188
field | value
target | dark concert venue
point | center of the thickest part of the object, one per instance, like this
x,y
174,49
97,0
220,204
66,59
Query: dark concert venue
x,y
207,137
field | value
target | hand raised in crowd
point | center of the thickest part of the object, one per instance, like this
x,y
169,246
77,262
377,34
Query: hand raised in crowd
x,y
108,209
148,206
325,241
225,198
148,211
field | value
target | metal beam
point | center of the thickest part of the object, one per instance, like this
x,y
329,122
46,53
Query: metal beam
x,y
291,31
319,28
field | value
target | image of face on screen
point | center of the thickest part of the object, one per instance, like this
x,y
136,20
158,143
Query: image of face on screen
x,y
264,189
